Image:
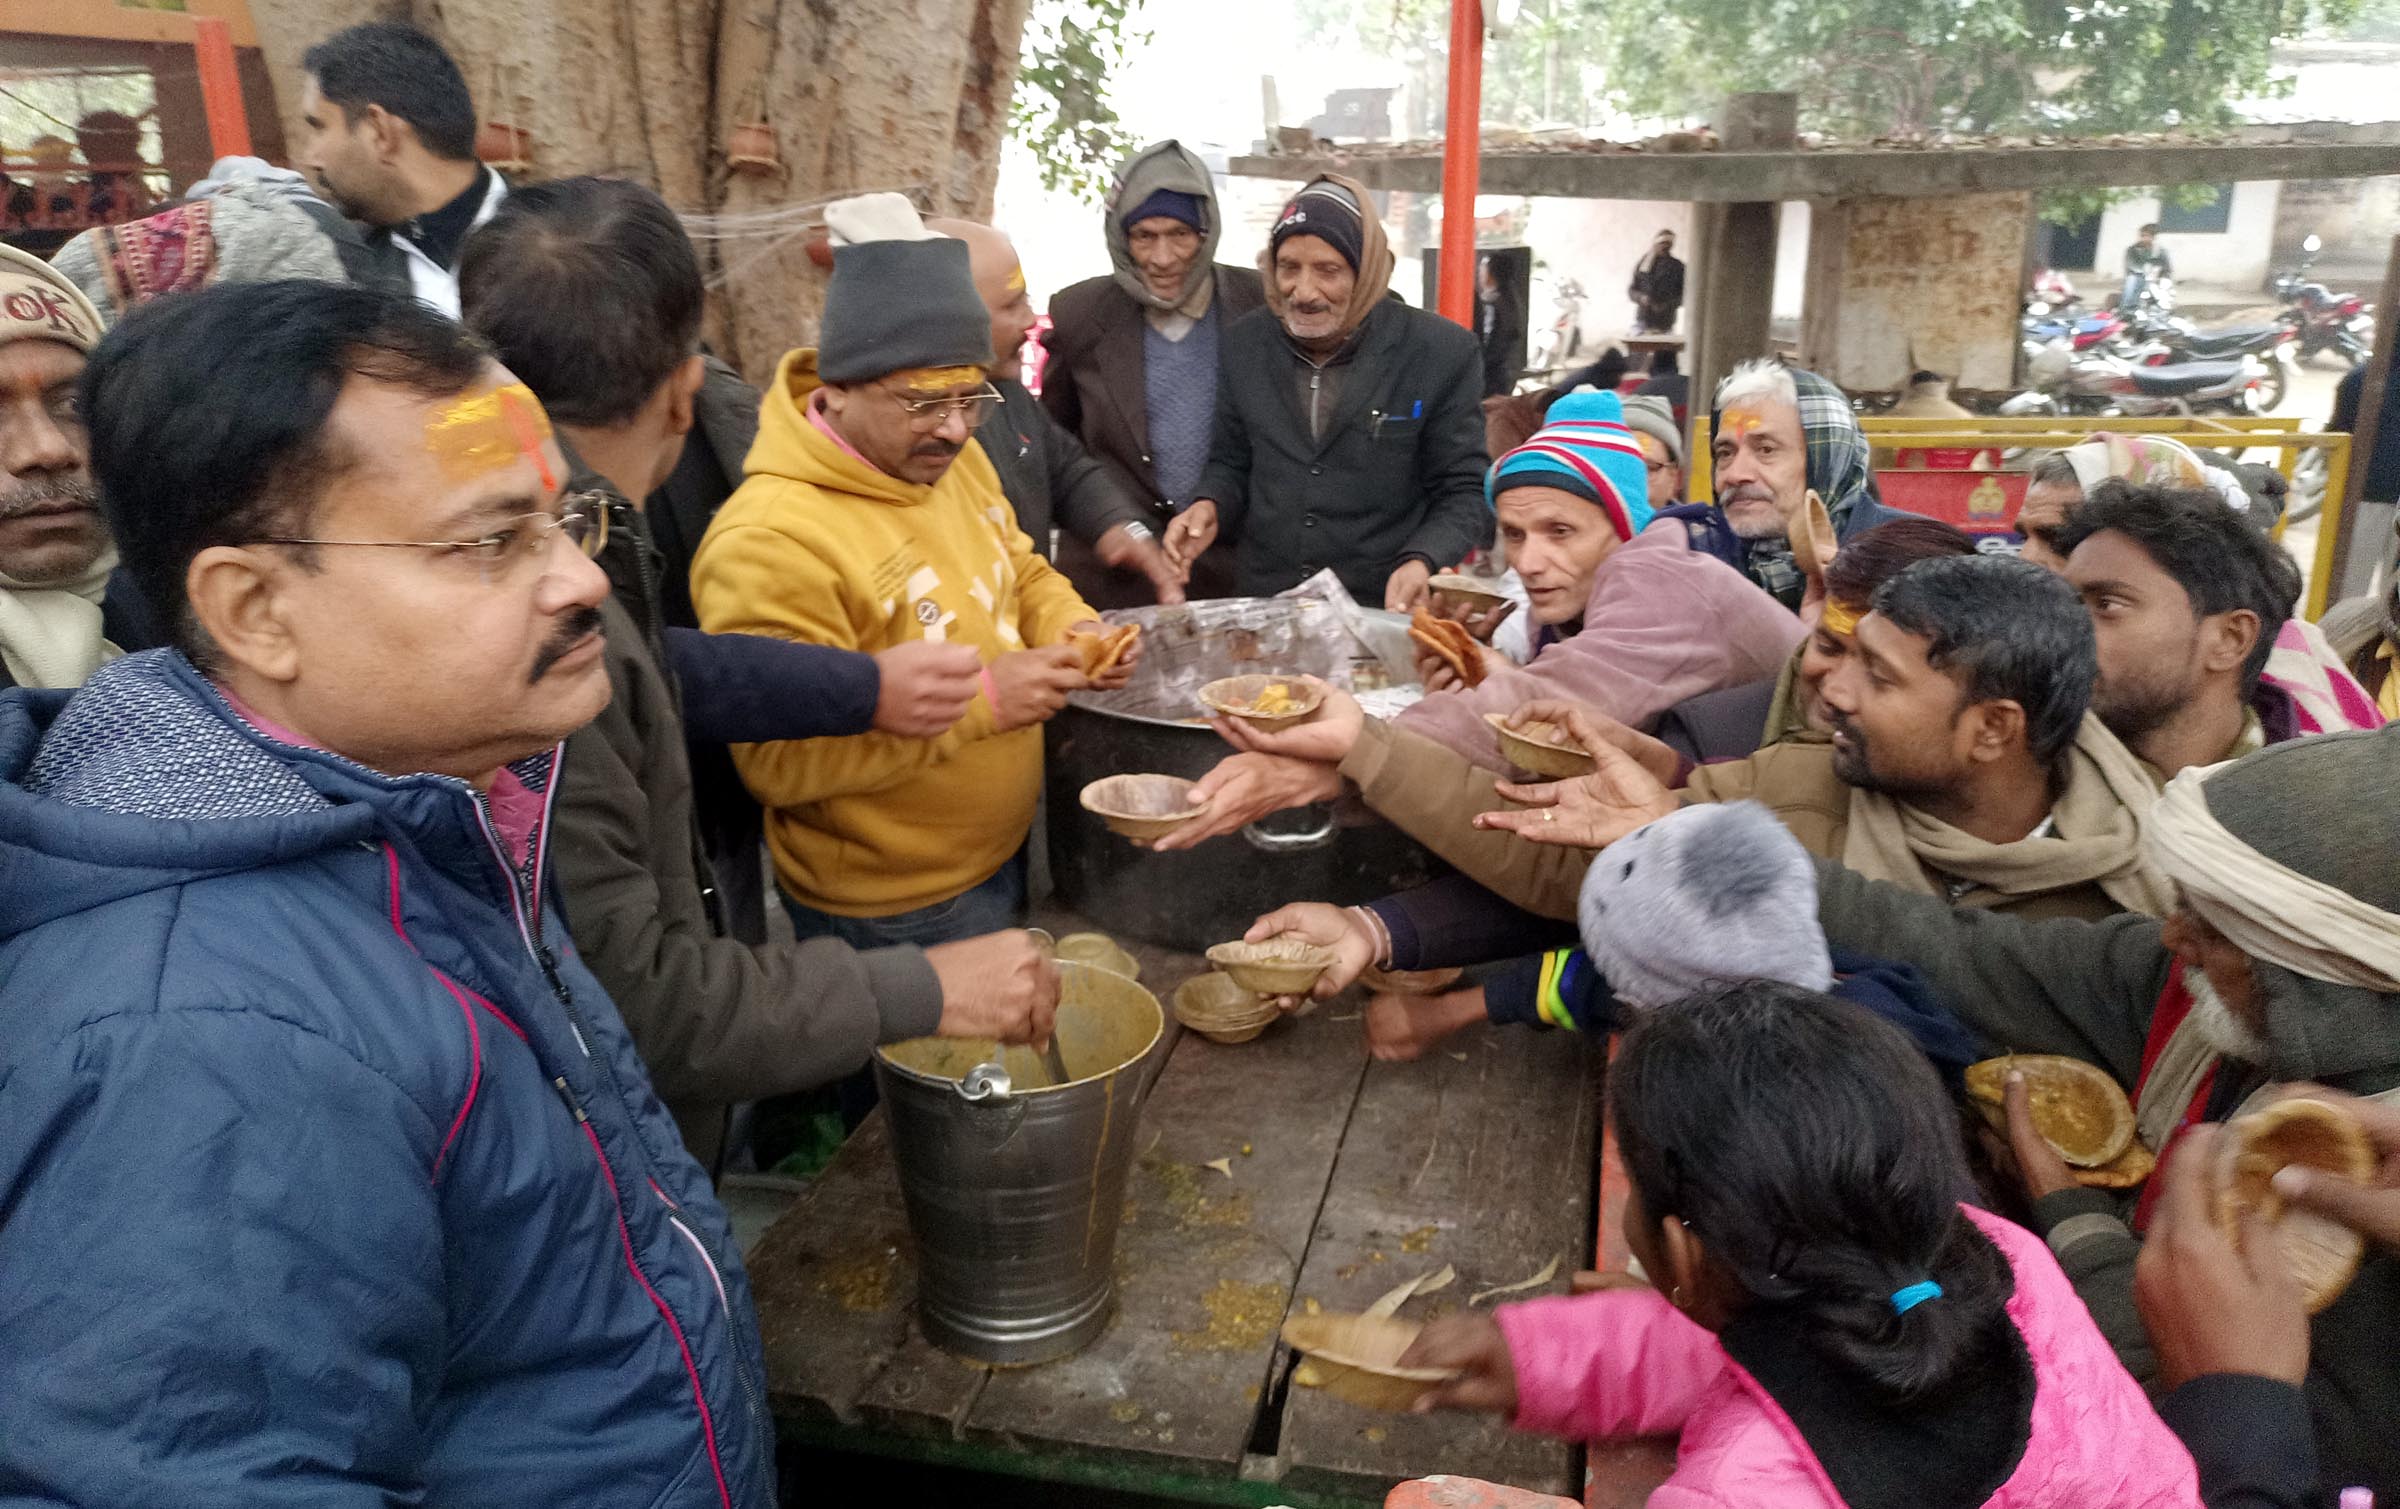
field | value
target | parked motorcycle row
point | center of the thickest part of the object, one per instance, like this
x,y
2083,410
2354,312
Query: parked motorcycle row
x,y
2140,358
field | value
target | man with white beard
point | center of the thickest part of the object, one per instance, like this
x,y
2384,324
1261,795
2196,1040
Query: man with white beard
x,y
2281,964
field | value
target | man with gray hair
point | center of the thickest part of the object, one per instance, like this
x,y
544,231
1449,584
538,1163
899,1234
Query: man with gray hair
x,y
1781,434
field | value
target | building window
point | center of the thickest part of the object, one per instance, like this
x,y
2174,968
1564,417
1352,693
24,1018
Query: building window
x,y
2208,219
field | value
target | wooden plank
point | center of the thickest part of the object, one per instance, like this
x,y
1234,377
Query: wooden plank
x,y
1834,173
833,1281
1480,1156
1205,1261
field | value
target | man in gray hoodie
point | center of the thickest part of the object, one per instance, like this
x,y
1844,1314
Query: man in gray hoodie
x,y
1132,367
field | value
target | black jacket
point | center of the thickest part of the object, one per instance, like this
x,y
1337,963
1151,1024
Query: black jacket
x,y
2250,1439
1397,474
1051,480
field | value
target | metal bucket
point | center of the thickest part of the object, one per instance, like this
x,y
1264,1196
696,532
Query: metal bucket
x,y
1015,1193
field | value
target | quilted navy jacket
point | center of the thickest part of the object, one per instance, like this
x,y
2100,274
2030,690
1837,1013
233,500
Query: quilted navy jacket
x,y
328,1175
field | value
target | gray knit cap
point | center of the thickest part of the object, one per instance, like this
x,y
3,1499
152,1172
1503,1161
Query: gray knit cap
x,y
2327,806
1705,896
896,306
1648,414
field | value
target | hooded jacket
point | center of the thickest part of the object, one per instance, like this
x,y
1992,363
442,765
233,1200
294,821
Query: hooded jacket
x,y
1094,381
1624,1363
718,1020
818,545
331,1175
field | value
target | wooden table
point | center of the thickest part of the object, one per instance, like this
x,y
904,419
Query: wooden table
x,y
1349,1177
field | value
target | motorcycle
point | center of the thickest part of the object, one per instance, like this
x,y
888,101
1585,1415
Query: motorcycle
x,y
1557,344
2320,319
2065,381
2156,339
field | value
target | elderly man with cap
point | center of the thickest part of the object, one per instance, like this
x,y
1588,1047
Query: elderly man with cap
x,y
1062,493
1349,426
62,613
1133,357
1781,434
870,519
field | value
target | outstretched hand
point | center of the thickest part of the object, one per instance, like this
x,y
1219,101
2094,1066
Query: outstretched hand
x,y
1326,926
1246,787
1326,738
1474,1349
1588,812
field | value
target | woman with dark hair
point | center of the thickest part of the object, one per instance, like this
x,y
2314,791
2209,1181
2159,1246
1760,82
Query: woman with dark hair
x,y
1831,1324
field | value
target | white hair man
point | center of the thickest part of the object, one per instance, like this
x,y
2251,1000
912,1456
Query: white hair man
x,y
1781,434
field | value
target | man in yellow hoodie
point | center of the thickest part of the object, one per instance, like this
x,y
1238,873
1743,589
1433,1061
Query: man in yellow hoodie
x,y
870,518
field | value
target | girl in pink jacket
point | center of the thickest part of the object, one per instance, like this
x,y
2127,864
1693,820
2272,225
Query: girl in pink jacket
x,y
1836,1327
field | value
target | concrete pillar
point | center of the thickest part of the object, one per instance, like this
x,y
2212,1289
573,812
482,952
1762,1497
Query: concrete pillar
x,y
1900,284
1733,264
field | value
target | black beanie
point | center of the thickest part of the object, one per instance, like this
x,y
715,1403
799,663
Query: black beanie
x,y
896,306
1328,212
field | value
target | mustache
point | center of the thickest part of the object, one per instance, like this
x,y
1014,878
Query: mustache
x,y
942,448
1311,306
572,631
36,494
1839,722
1748,492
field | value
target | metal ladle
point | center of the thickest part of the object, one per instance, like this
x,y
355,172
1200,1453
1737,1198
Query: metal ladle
x,y
1052,1059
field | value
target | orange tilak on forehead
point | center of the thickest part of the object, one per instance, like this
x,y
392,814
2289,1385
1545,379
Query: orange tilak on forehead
x,y
485,431
1016,278
1743,421
932,381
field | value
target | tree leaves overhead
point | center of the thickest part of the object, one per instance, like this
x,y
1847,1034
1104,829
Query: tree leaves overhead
x,y
1866,68
1061,109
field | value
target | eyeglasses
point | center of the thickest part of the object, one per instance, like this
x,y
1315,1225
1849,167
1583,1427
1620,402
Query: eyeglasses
x,y
496,554
926,415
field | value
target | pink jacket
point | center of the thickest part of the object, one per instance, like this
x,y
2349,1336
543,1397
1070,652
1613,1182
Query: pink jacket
x,y
1664,624
1626,1363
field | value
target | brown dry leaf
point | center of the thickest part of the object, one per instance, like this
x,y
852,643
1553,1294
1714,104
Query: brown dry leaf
x,y
1549,1272
1423,1283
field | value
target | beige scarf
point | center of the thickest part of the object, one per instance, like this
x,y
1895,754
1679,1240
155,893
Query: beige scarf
x,y
2095,838
50,635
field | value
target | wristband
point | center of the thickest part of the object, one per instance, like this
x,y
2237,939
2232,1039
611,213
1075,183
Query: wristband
x,y
1379,937
1135,529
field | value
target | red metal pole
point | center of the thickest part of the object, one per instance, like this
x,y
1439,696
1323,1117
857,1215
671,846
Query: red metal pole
x,y
220,88
1462,144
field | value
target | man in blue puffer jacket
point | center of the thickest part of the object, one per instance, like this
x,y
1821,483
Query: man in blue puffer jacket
x,y
328,1174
